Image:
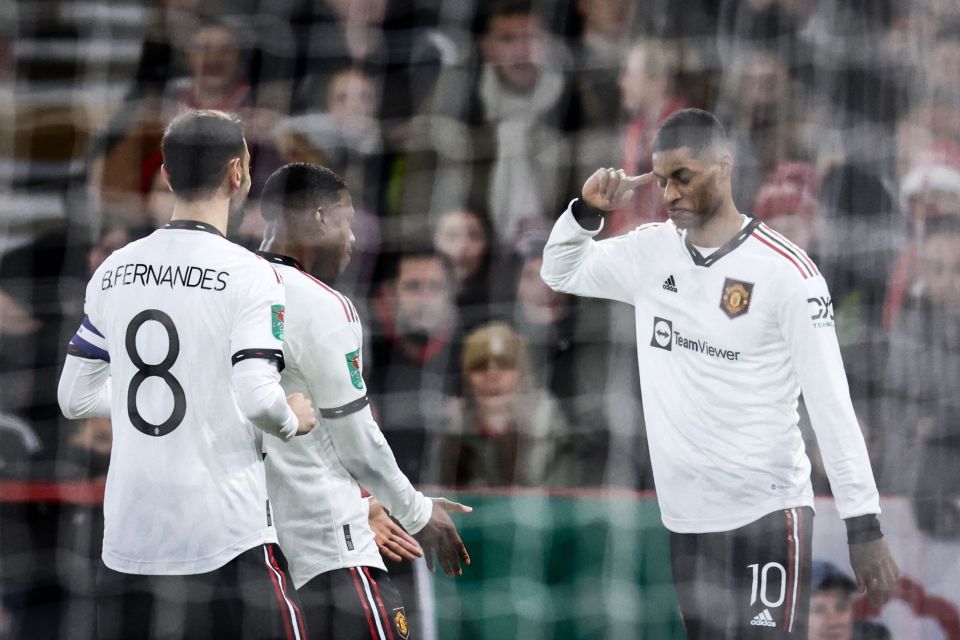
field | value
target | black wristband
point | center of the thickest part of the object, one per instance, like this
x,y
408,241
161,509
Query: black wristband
x,y
587,217
863,528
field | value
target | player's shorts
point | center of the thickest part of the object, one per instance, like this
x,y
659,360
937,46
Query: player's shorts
x,y
249,598
752,582
356,603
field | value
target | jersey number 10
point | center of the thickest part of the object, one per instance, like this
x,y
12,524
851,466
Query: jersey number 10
x,y
161,370
763,576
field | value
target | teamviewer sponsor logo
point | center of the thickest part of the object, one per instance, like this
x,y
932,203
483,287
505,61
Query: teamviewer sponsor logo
x,y
662,334
666,337
763,619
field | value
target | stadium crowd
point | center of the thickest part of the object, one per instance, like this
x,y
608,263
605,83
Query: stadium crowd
x,y
462,130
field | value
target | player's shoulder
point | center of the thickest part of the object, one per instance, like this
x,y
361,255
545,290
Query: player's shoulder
x,y
655,229
325,303
783,259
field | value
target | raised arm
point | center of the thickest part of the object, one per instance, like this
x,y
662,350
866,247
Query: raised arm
x,y
573,262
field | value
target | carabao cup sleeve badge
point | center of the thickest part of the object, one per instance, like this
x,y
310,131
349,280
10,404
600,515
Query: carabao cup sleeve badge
x,y
736,297
353,367
276,320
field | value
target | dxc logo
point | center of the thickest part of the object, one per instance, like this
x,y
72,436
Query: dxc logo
x,y
822,308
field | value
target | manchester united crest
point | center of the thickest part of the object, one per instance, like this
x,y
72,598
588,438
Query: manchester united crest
x,y
400,621
735,300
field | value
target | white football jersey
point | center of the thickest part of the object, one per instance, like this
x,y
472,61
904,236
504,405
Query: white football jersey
x,y
726,342
186,488
321,515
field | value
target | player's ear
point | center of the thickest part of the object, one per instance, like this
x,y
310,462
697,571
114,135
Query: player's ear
x,y
165,176
726,165
234,171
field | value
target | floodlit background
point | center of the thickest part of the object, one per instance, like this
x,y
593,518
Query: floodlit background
x,y
465,127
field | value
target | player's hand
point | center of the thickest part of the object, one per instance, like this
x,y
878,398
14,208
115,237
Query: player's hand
x,y
394,543
610,189
303,409
441,536
875,569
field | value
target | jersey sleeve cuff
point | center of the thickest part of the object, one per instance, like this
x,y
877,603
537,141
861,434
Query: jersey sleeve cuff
x,y
590,218
424,513
290,425
864,528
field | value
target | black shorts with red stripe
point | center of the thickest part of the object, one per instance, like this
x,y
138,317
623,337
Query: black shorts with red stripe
x,y
249,598
752,582
356,603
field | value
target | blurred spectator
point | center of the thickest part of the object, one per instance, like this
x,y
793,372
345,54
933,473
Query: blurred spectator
x,y
414,344
112,238
759,111
18,444
568,356
790,209
216,73
341,127
861,232
501,129
87,454
923,426
606,33
648,96
929,190
464,236
943,63
510,433
831,602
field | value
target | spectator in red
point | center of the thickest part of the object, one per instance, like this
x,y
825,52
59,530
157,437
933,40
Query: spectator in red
x,y
929,190
789,207
648,96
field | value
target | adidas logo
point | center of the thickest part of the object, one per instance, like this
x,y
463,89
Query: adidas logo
x,y
670,284
763,619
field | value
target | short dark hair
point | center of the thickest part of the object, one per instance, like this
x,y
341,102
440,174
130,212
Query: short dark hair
x,y
503,9
298,187
693,128
392,259
197,146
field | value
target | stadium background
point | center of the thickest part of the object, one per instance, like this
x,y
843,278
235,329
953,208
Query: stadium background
x,y
846,119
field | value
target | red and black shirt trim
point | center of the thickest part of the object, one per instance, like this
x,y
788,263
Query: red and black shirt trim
x,y
733,243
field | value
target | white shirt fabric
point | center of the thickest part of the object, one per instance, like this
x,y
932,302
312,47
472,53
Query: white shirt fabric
x,y
314,481
720,387
186,488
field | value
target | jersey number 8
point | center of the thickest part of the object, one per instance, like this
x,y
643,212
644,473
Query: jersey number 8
x,y
161,370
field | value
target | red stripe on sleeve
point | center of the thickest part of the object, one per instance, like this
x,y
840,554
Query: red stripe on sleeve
x,y
339,298
784,254
800,252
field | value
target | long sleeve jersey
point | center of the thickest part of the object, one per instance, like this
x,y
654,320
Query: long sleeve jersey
x,y
726,342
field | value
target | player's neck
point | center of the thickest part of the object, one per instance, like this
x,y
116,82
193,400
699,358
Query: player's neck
x,y
274,244
719,228
213,211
